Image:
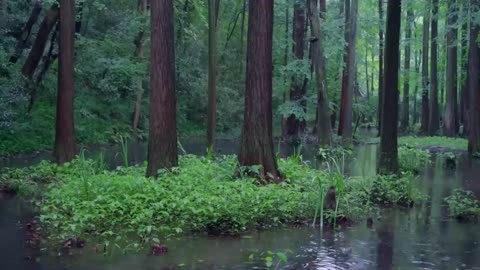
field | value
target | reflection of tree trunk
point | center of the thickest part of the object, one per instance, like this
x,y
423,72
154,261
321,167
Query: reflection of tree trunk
x,y
256,146
474,84
139,47
323,126
38,48
65,133
385,247
27,31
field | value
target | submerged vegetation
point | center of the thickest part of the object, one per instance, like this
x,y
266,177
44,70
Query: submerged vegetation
x,y
202,195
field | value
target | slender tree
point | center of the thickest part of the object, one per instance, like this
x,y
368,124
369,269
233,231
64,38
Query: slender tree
x,y
474,82
434,117
388,141
256,146
324,129
65,148
212,72
162,144
27,31
298,88
348,83
139,48
451,109
380,64
425,79
464,68
406,74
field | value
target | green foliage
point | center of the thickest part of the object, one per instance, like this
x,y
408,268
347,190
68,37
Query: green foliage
x,y
412,159
446,142
395,190
463,205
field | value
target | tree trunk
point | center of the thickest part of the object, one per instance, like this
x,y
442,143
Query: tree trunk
x,y
212,72
139,48
388,142
242,34
464,69
474,83
451,108
26,31
415,94
256,146
285,63
406,67
380,65
343,98
36,53
366,73
425,80
346,110
65,132
324,129
297,90
434,117
162,143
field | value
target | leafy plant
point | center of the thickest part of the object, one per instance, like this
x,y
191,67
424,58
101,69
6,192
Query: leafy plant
x,y
412,159
463,205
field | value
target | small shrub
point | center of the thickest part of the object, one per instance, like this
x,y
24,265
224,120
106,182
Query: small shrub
x,y
412,159
463,205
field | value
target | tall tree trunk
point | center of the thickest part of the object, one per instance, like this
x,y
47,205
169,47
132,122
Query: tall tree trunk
x,y
256,146
406,80
474,83
388,141
343,98
434,117
27,31
451,109
242,34
212,73
425,79
285,63
324,129
65,148
297,90
162,143
417,83
464,69
36,53
380,65
139,48
346,111
366,73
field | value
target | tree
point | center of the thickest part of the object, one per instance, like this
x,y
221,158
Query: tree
x,y
162,143
406,80
434,117
323,126
380,64
425,79
256,146
26,31
65,148
296,125
212,72
474,82
388,141
346,109
451,108
464,68
139,47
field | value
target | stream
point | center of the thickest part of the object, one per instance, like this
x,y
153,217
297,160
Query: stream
x,y
423,237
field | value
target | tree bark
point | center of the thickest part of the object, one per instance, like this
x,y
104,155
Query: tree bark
x,y
285,63
388,142
464,69
298,87
26,31
36,53
417,83
162,144
380,65
65,132
451,108
343,98
425,79
212,73
474,83
139,48
406,80
256,146
434,117
346,110
324,129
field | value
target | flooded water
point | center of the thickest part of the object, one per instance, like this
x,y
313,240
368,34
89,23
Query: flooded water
x,y
419,238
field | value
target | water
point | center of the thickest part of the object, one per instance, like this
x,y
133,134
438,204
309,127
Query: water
x,y
419,238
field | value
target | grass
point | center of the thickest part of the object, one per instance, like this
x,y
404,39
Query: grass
x,y
451,143
202,195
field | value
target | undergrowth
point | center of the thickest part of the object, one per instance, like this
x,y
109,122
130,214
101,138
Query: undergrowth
x,y
463,205
446,142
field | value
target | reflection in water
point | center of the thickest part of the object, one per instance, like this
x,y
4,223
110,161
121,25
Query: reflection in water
x,y
419,238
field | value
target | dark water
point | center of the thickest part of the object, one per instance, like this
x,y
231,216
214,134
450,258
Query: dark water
x,y
419,238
